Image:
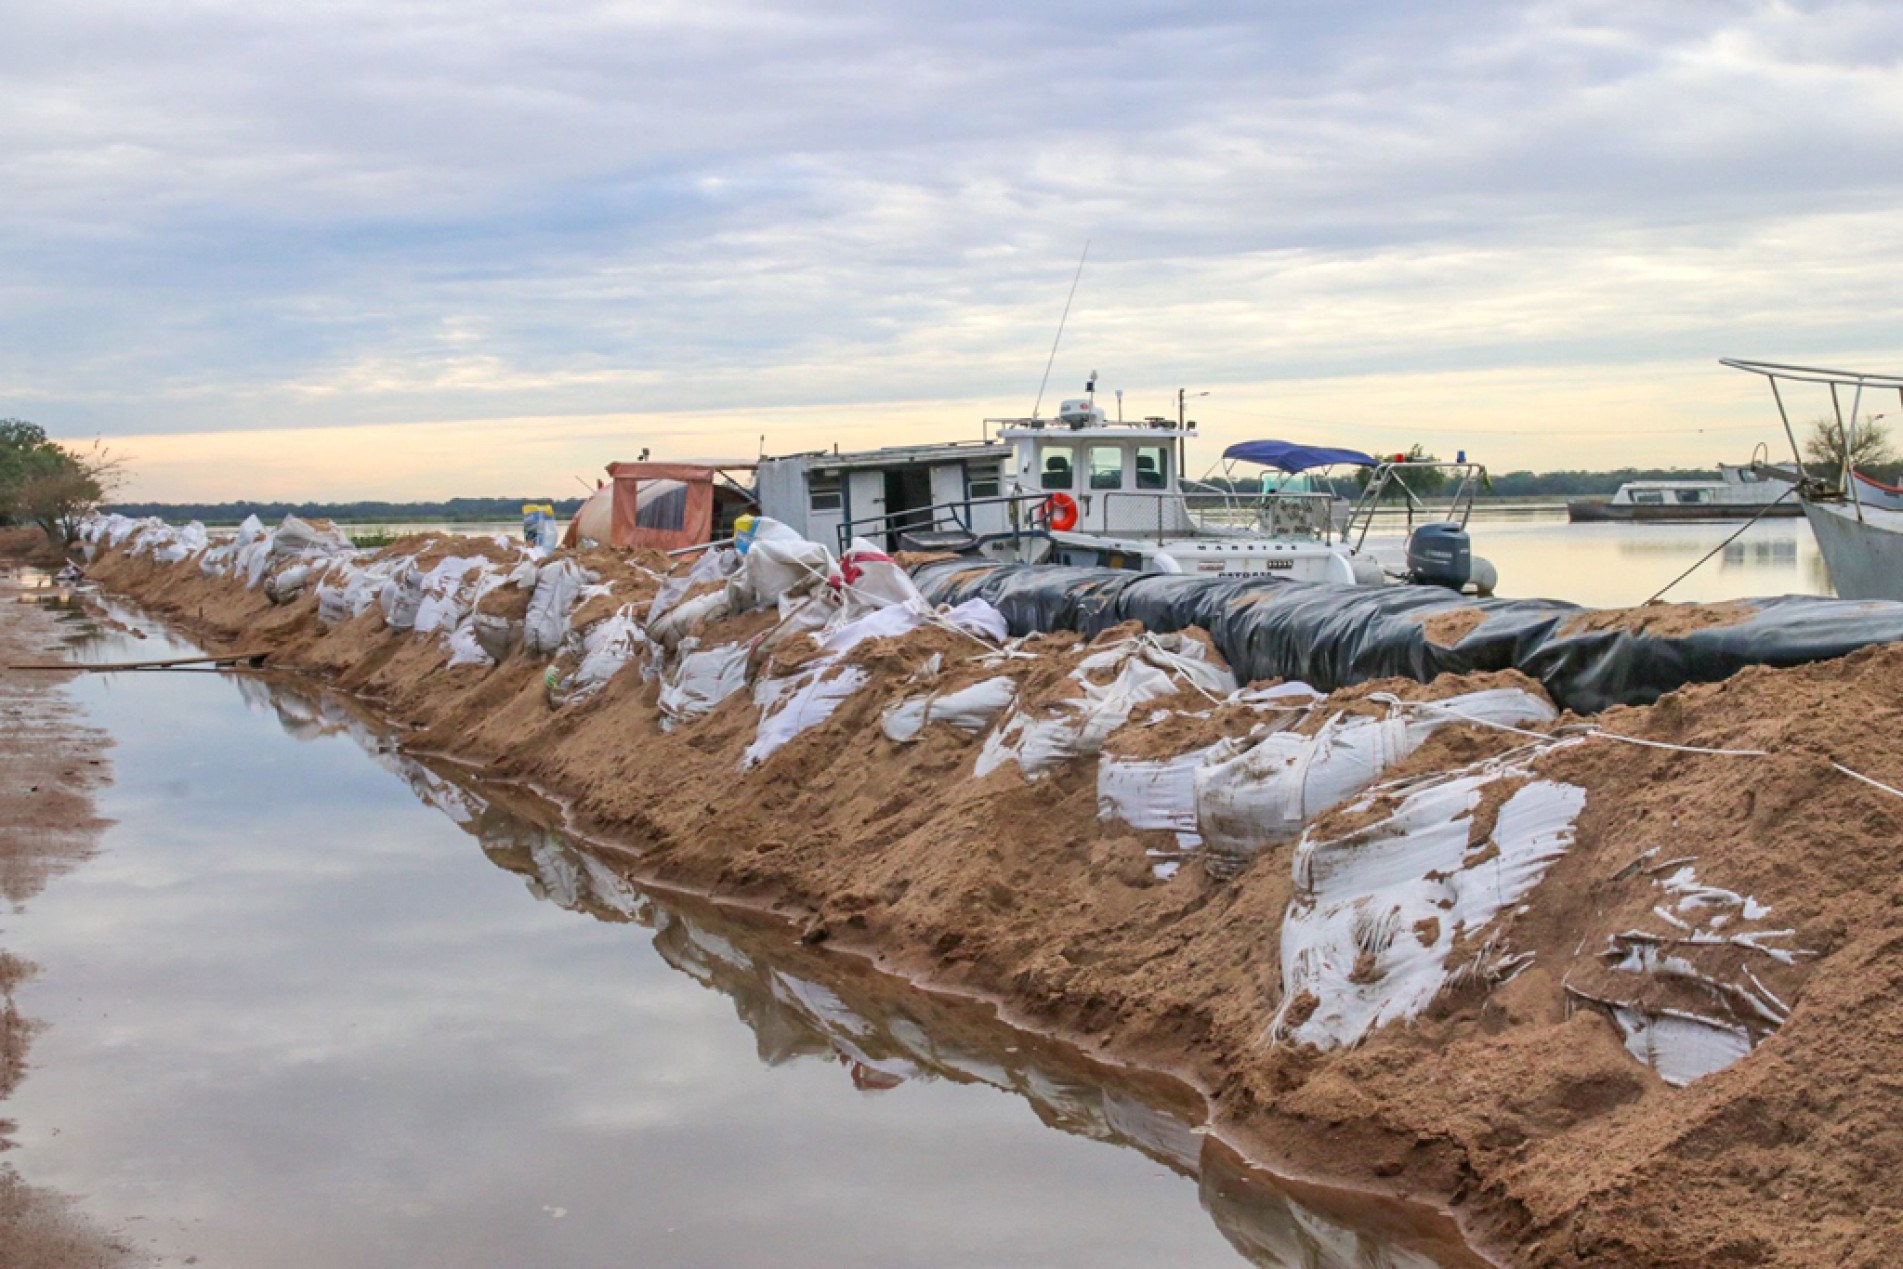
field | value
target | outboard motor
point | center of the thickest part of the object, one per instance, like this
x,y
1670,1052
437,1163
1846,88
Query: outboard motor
x,y
1439,555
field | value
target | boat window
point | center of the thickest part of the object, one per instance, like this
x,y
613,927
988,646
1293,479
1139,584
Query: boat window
x,y
663,508
822,489
1058,461
1691,495
1153,467
1106,466
1648,497
983,480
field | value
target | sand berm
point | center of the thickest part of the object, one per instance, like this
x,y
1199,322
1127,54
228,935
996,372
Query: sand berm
x,y
1692,883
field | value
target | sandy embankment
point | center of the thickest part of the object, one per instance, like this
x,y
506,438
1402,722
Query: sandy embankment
x,y
50,763
1688,884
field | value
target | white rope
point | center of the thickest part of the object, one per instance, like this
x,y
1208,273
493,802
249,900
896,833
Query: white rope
x,y
1589,732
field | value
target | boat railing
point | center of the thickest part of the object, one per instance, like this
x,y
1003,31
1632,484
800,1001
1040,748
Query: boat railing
x,y
1389,479
1023,515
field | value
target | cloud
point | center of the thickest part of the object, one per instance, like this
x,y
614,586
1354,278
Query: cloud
x,y
232,219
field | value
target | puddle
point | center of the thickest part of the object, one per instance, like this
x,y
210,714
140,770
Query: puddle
x,y
316,1002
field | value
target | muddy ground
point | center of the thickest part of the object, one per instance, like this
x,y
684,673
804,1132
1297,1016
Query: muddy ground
x,y
50,764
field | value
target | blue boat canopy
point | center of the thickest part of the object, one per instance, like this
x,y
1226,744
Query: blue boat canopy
x,y
1290,457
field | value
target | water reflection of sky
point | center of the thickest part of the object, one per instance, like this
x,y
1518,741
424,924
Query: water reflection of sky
x,y
297,1017
1619,565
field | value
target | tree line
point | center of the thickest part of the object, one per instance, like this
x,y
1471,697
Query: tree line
x,y
449,510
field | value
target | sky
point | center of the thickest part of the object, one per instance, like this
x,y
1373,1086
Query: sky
x,y
417,249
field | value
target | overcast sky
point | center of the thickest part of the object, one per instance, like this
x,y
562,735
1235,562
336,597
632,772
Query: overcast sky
x,y
468,246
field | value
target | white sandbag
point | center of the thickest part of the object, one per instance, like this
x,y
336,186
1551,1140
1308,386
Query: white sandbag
x,y
1155,794
700,680
969,709
716,565
1253,793
607,647
810,700
350,589
301,537
448,591
557,588
182,544
980,618
681,620
400,596
1680,1045
465,650
779,562
1369,937
287,584
804,700
870,580
494,634
1146,668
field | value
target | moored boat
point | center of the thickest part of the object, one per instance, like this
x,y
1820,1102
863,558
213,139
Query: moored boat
x,y
1739,493
1858,529
1081,489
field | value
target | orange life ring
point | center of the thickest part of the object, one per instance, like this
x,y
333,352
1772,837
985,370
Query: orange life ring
x,y
1060,511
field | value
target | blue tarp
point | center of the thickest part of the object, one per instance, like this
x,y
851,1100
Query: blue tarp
x,y
1290,457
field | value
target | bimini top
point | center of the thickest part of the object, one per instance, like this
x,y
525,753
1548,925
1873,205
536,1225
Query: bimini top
x,y
1292,458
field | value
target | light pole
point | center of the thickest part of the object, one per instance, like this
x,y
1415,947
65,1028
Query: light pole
x,y
1182,406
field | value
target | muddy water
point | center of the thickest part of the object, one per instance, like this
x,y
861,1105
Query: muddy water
x,y
316,1003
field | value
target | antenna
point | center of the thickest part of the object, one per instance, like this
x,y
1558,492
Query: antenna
x,y
1042,383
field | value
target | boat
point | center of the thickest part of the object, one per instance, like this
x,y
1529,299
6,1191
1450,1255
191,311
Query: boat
x,y
1081,489
678,507
1857,521
1739,493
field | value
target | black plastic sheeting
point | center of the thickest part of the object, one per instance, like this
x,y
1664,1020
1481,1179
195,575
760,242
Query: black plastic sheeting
x,y
1334,636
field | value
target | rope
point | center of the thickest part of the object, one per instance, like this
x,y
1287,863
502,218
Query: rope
x,y
1591,732
1764,511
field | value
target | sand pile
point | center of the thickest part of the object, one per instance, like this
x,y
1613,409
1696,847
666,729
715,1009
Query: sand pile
x,y
1617,1003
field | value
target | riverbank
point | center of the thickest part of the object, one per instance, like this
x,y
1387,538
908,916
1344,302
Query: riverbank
x,y
51,763
1514,1094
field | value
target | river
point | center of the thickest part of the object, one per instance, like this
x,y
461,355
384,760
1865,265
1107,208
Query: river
x,y
316,1002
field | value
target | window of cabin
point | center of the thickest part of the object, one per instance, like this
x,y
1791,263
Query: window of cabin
x,y
822,488
1648,497
1106,466
661,505
984,480
1153,467
1058,472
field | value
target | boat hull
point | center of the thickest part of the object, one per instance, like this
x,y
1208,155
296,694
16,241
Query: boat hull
x,y
1595,510
1864,555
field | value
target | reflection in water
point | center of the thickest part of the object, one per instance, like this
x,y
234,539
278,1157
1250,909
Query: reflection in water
x,y
805,1004
1619,565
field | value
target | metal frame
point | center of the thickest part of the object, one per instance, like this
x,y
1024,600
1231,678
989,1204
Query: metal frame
x,y
1809,487
1459,507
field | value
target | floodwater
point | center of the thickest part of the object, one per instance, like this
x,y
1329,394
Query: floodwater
x,y
317,1003
1540,555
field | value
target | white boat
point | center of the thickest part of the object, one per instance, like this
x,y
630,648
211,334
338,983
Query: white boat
x,y
1858,530
1083,490
1740,492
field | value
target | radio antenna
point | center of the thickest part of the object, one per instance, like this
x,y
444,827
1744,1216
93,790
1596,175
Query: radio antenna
x,y
1045,381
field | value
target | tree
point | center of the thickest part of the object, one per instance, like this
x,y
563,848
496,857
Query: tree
x,y
49,484
1423,482
1824,446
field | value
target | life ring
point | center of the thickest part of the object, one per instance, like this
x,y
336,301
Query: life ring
x,y
1060,511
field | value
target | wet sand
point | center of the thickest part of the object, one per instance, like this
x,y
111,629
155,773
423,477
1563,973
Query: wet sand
x,y
50,764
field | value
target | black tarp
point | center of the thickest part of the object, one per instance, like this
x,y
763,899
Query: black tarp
x,y
1334,636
